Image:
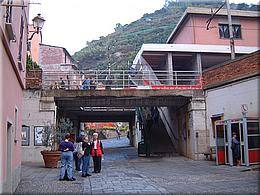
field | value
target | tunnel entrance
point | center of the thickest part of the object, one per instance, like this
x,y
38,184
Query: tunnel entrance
x,y
170,133
112,134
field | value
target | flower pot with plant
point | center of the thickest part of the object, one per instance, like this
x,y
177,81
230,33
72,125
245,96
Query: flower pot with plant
x,y
52,137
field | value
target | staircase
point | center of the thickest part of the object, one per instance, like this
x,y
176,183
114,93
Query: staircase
x,y
165,117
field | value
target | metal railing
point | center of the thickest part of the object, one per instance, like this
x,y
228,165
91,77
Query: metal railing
x,y
120,79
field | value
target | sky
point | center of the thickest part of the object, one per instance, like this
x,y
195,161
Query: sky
x,y
71,23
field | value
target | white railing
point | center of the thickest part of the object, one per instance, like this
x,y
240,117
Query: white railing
x,y
120,79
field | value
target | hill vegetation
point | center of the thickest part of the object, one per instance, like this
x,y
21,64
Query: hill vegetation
x,y
119,48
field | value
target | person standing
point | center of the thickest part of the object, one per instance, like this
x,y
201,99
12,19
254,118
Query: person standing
x,y
62,83
118,133
86,84
96,153
66,147
235,146
78,153
86,147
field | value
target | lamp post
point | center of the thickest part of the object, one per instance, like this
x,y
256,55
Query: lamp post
x,y
38,22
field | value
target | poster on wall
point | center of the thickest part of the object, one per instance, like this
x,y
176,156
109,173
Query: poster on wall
x,y
38,131
25,136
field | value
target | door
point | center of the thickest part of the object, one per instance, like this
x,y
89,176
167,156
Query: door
x,y
9,157
237,127
220,143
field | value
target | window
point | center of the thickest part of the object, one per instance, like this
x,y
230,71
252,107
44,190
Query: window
x,y
253,128
224,31
213,122
21,39
15,124
8,13
253,131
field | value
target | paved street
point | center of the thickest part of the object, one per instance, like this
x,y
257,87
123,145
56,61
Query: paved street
x,y
124,173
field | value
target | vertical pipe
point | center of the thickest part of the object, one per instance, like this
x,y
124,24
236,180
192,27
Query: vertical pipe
x,y
170,68
245,139
229,137
123,79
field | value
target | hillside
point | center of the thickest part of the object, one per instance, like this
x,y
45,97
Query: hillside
x,y
120,47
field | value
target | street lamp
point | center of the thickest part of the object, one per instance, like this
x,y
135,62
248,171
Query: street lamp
x,y
38,22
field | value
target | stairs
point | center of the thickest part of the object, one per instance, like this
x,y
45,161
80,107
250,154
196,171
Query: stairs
x,y
165,117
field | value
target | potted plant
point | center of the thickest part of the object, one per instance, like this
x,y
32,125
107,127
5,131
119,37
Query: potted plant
x,y
52,136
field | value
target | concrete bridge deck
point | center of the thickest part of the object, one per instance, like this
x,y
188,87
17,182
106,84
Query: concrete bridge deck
x,y
120,98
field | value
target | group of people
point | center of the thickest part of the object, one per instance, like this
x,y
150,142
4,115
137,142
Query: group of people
x,y
81,152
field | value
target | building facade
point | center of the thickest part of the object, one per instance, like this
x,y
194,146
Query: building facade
x,y
232,102
13,47
189,50
55,63
192,28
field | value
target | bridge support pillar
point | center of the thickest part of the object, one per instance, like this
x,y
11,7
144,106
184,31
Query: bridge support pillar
x,y
198,131
132,133
170,68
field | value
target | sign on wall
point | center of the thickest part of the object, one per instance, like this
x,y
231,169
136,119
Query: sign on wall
x,y
25,136
38,131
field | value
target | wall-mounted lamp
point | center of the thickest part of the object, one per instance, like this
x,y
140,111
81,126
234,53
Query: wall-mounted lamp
x,y
38,23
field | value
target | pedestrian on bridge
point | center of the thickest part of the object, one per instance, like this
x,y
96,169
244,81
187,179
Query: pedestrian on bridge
x,y
96,152
86,84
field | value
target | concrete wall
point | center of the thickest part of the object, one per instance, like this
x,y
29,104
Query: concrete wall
x,y
198,132
189,125
37,112
227,100
12,82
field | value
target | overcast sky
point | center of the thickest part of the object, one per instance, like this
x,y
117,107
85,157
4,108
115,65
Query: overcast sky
x,y
70,23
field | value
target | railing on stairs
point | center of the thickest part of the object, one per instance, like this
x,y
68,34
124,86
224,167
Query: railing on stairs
x,y
163,111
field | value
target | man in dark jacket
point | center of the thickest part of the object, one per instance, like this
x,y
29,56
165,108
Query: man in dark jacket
x,y
66,148
86,147
235,146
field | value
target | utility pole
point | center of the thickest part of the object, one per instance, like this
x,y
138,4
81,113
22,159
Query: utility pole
x,y
231,34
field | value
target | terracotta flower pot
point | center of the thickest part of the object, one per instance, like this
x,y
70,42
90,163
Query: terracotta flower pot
x,y
51,158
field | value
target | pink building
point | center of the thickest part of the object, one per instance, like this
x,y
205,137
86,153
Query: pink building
x,y
13,46
191,28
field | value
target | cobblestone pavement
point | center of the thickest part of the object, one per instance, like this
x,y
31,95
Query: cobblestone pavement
x,y
124,173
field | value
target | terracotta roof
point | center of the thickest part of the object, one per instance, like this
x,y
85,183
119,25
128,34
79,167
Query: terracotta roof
x,y
207,11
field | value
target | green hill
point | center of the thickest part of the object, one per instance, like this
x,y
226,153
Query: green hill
x,y
120,47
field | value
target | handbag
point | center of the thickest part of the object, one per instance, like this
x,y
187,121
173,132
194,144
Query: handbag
x,y
80,152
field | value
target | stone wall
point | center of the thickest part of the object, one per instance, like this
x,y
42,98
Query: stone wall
x,y
34,79
232,70
37,111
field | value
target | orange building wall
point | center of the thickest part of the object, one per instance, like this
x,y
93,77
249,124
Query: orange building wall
x,y
36,40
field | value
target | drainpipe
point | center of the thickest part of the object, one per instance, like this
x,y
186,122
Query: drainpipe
x,y
245,139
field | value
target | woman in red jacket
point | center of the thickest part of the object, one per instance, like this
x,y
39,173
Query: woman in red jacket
x,y
96,153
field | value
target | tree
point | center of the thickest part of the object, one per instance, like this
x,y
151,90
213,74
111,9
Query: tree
x,y
52,135
30,64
